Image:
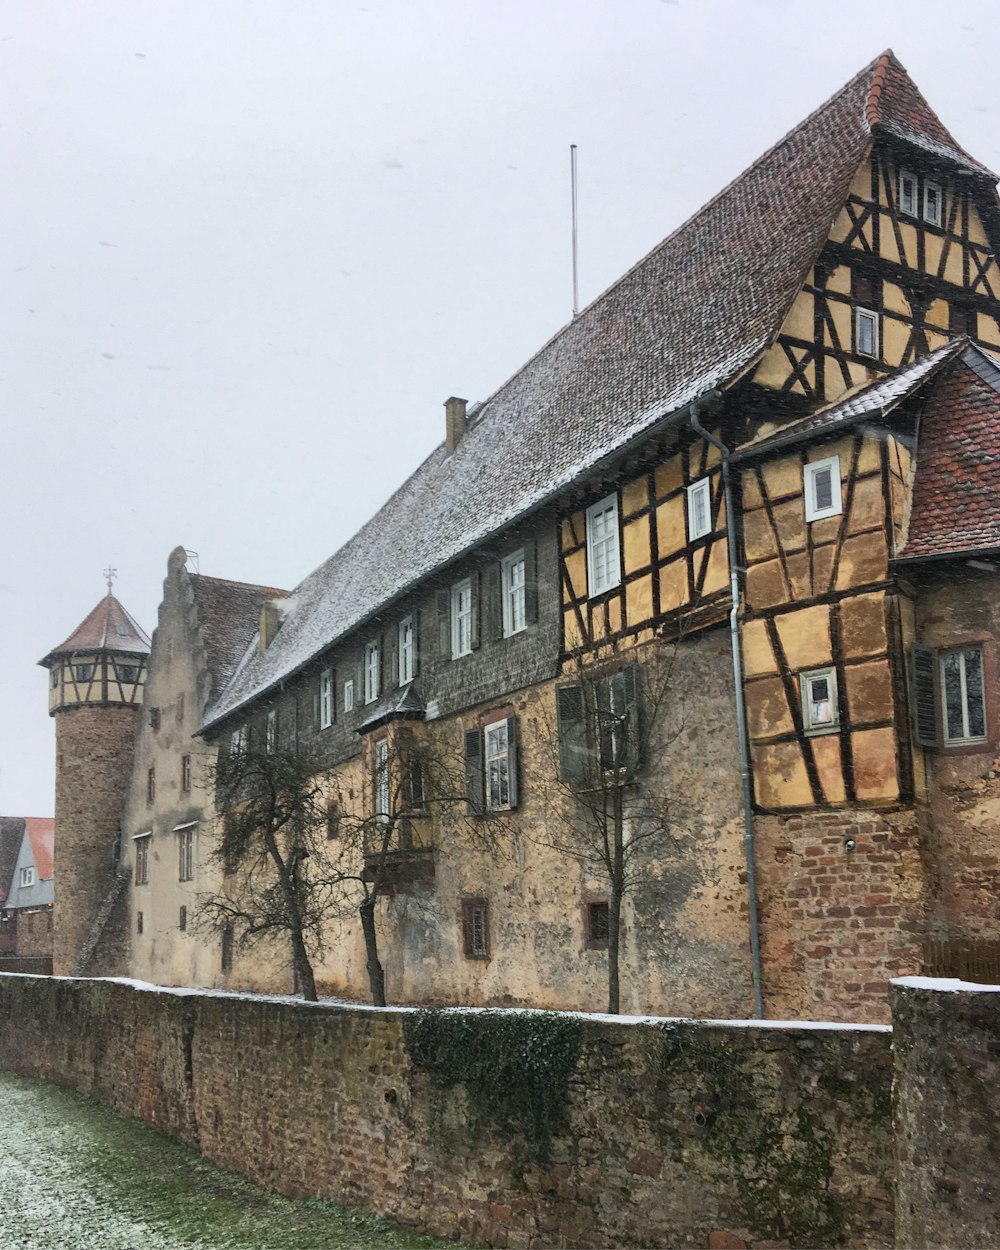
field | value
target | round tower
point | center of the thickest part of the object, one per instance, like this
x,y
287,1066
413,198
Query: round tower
x,y
96,679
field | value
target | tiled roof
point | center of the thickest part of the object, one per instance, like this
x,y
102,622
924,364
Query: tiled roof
x,y
41,835
107,628
229,613
693,315
956,491
872,398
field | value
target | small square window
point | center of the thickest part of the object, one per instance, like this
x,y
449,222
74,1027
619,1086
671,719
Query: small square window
x,y
27,876
598,926
83,672
866,337
907,193
822,488
127,673
349,695
933,203
476,928
603,551
699,509
820,712
326,699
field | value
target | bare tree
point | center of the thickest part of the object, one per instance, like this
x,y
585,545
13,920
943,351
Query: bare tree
x,y
604,808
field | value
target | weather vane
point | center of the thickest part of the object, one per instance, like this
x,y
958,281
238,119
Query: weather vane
x,y
110,574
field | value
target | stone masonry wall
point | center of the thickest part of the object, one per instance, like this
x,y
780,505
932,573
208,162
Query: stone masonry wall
x,y
947,1113
665,1133
838,920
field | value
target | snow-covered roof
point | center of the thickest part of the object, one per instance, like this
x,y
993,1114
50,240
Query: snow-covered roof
x,y
695,314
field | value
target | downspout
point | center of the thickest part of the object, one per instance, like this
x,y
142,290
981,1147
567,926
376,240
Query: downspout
x,y
741,719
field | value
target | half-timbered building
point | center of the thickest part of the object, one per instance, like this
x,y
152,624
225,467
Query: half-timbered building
x,y
749,494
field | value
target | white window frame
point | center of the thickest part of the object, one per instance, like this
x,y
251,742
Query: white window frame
x,y
380,787
326,698
513,576
604,563
349,695
810,473
271,731
965,738
461,618
27,876
494,793
929,184
373,671
869,315
906,176
699,495
406,650
816,727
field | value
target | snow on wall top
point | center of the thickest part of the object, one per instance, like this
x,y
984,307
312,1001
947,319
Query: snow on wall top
x,y
692,315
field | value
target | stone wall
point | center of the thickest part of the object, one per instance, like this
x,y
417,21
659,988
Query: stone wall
x,y
947,1113
661,1132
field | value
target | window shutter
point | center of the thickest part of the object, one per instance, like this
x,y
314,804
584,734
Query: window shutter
x,y
416,642
512,760
492,603
574,756
474,788
390,660
924,695
474,591
530,584
632,728
443,602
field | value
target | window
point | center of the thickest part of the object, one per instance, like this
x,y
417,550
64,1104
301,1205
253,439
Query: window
x,y
83,672
699,501
603,560
179,710
229,855
141,841
55,678
332,819
271,731
822,488
150,784
866,332
239,741
227,948
138,922
598,724
186,773
185,853
963,699
182,919
933,203
820,711
381,779
616,721
491,767
476,928
461,618
512,589
372,672
27,876
349,695
127,672
407,666
907,193
597,919
414,795
154,718
326,699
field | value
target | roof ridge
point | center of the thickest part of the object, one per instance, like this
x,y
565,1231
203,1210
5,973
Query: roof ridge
x,y
881,64
228,581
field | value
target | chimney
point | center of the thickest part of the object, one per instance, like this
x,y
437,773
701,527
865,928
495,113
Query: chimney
x,y
269,622
454,419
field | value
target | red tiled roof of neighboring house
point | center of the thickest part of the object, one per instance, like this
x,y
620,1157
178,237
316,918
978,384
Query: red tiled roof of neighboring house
x,y
229,613
956,492
694,315
41,835
109,627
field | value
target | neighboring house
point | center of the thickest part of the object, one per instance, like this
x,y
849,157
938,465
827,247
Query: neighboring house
x,y
763,463
26,916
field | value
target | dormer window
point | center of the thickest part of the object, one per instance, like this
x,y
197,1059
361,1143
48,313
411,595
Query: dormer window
x,y
907,193
933,203
866,333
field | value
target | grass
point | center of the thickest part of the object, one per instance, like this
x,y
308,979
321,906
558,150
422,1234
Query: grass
x,y
75,1174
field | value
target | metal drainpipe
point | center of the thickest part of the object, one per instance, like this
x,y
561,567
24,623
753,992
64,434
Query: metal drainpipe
x,y
741,720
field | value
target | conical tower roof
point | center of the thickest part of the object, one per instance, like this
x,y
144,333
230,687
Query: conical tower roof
x,y
109,627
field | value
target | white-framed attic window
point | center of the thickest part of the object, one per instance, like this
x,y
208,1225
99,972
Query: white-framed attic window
x,y
820,709
326,698
908,192
821,481
699,509
933,203
604,570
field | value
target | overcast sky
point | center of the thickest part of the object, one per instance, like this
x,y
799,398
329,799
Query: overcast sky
x,y
250,248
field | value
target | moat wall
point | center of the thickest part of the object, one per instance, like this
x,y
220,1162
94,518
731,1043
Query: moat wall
x,y
660,1133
